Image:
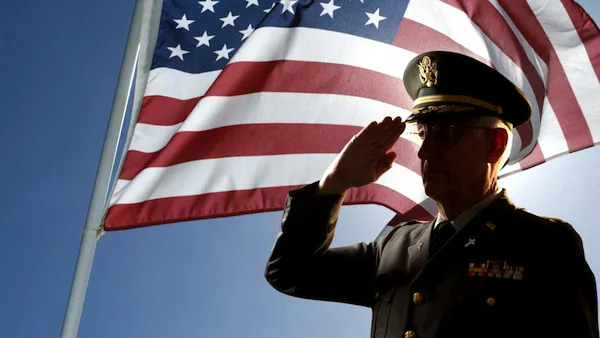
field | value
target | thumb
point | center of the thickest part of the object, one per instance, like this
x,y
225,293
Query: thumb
x,y
389,157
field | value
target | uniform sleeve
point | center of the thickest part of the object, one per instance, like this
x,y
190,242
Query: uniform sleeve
x,y
302,264
573,298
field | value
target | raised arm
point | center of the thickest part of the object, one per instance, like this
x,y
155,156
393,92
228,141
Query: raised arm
x,y
303,265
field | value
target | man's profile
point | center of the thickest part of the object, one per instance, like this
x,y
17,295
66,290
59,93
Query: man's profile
x,y
484,267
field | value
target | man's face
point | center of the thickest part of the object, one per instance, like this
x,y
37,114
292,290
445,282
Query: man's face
x,y
453,157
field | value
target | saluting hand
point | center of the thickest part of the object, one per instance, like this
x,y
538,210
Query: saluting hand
x,y
364,159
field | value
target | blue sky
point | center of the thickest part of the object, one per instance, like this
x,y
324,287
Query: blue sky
x,y
194,279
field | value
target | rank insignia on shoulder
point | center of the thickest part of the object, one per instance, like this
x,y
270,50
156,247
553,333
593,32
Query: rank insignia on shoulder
x,y
496,269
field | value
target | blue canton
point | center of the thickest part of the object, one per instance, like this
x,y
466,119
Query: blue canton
x,y
202,36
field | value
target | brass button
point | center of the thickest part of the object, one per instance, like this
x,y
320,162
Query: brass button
x,y
491,301
417,298
376,295
410,334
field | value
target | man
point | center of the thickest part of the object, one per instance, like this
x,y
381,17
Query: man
x,y
483,267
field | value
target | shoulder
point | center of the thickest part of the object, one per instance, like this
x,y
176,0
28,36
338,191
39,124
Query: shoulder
x,y
400,229
552,231
551,225
411,225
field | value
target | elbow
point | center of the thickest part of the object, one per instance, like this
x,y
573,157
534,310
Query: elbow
x,y
280,277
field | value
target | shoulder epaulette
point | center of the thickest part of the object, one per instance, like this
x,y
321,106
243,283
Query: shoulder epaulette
x,y
411,222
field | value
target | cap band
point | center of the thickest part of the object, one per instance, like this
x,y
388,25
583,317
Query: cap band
x,y
443,98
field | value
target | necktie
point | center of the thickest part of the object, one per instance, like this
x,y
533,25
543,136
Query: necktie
x,y
441,234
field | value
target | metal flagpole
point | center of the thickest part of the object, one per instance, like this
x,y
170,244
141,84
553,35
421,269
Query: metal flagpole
x,y
93,227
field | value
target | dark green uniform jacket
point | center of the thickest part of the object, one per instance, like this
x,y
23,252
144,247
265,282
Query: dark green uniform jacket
x,y
506,273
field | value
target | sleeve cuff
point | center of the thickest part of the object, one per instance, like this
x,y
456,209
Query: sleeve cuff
x,y
304,211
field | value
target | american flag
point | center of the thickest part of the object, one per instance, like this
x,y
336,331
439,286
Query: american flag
x,y
248,99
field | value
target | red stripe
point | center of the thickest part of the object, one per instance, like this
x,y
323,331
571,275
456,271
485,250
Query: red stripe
x,y
588,32
165,111
560,94
286,76
308,77
384,196
187,208
418,38
534,158
256,140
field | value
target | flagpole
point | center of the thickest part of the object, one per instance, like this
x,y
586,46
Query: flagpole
x,y
93,227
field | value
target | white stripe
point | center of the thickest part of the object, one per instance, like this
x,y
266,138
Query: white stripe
x,y
149,138
318,45
508,170
515,150
552,139
119,186
169,82
302,44
407,183
458,26
557,25
542,70
216,111
224,174
449,21
536,60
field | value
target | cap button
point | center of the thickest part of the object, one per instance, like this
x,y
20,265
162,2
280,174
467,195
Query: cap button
x,y
491,301
417,298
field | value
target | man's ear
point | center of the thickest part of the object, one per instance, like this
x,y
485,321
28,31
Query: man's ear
x,y
498,142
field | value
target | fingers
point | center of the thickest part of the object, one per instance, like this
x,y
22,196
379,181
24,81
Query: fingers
x,y
387,128
391,127
390,157
378,133
390,134
394,136
368,133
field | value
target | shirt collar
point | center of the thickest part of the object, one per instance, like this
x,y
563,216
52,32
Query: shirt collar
x,y
462,219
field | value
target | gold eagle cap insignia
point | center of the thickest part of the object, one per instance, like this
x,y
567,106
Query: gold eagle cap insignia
x,y
428,73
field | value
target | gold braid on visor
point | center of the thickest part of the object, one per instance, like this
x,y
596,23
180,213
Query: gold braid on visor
x,y
441,103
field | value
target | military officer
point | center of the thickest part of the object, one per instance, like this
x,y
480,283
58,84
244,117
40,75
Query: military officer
x,y
484,267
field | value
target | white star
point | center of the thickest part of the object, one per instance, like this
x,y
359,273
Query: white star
x,y
374,18
251,2
329,8
228,20
208,5
288,5
247,32
177,51
184,23
204,40
223,53
269,9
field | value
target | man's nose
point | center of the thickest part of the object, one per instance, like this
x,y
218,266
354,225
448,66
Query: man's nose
x,y
426,148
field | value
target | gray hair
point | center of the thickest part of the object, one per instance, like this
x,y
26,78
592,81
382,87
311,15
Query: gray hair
x,y
494,122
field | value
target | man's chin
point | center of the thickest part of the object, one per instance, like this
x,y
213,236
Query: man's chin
x,y
434,189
